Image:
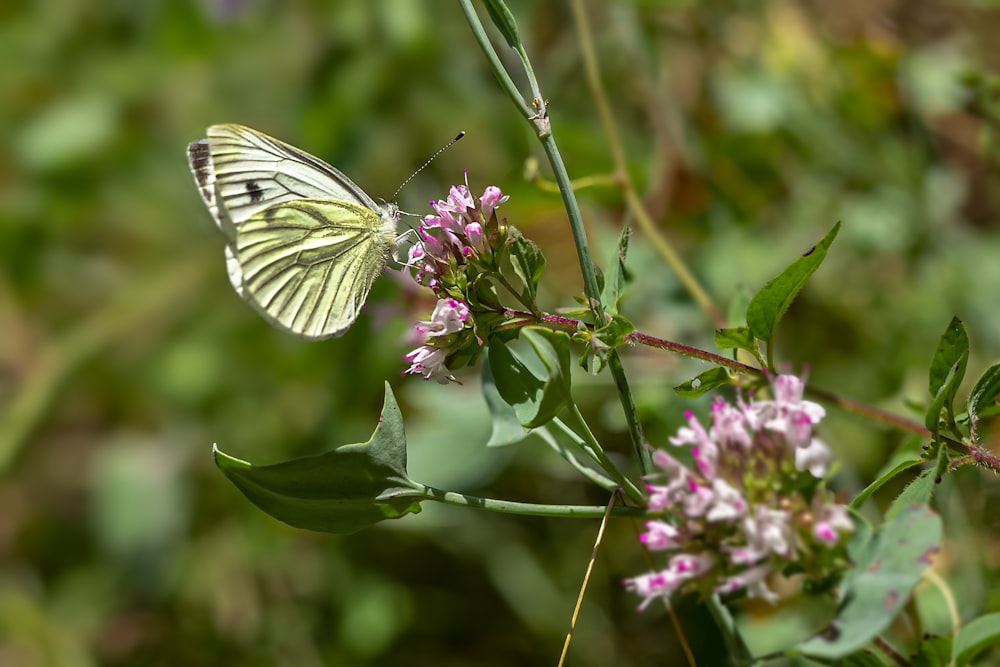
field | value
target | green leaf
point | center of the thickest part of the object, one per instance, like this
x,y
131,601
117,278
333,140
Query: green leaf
x,y
535,392
944,397
946,373
739,338
905,464
617,276
885,571
736,314
772,301
863,659
978,635
341,491
918,492
507,429
983,397
933,651
503,19
952,348
704,382
528,262
598,342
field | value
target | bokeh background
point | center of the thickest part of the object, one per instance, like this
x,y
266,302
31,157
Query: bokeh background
x,y
750,127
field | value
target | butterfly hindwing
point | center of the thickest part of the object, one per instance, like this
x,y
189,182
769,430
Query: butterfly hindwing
x,y
308,264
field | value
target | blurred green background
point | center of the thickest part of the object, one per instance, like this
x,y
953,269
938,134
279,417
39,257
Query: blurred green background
x,y
751,127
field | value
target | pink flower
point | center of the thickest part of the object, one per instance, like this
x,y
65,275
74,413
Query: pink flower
x,y
659,535
492,197
769,531
749,494
448,317
704,448
428,361
653,585
432,245
753,580
730,424
692,565
698,501
813,458
474,232
450,237
788,413
832,522
663,496
728,503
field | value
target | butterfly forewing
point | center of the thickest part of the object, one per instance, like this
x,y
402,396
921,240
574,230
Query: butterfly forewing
x,y
241,171
308,265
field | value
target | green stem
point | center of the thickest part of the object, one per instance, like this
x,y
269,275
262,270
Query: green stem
x,y
739,653
597,453
539,118
546,434
510,288
590,285
524,318
491,55
593,293
533,509
631,413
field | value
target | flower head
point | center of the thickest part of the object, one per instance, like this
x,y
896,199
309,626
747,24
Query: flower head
x,y
459,247
750,504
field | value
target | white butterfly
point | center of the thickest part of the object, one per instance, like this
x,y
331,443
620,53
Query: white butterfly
x,y
304,243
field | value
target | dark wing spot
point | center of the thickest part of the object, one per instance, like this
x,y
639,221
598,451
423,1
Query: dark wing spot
x,y
198,153
256,194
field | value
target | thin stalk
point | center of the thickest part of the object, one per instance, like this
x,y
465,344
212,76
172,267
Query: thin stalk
x,y
597,452
979,455
739,652
623,180
593,293
546,434
587,268
537,115
491,55
533,509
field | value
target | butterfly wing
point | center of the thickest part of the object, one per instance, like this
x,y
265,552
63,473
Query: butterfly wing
x,y
240,171
307,265
305,243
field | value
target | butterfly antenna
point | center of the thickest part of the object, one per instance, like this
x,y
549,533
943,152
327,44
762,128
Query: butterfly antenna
x,y
424,165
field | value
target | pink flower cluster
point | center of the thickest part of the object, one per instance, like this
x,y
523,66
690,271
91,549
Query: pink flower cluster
x,y
749,505
449,316
455,233
462,233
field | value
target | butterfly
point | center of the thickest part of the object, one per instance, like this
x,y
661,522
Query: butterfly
x,y
303,242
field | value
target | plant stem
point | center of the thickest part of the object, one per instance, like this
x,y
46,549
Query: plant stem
x,y
597,453
624,181
498,69
978,455
525,318
739,653
537,115
532,509
594,298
